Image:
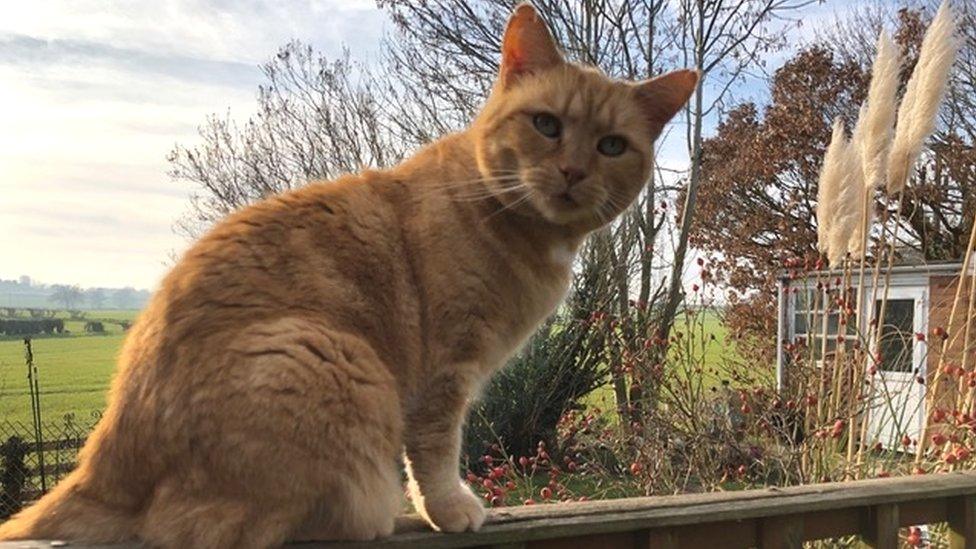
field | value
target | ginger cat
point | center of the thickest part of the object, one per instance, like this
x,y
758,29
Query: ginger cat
x,y
308,341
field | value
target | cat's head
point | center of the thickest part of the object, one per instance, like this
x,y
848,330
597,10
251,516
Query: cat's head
x,y
566,142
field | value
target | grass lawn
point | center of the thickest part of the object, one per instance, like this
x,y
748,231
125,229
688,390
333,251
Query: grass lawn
x,y
73,370
700,330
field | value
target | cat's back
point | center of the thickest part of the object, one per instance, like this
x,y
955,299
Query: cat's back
x,y
329,252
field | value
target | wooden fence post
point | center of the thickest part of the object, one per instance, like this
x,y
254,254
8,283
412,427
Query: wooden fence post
x,y
962,522
662,538
781,532
881,527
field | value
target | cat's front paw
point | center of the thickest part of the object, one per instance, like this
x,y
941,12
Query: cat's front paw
x,y
457,511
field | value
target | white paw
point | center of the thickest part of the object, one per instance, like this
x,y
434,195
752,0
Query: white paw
x,y
456,511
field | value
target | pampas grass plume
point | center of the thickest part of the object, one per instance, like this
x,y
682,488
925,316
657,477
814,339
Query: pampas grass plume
x,y
879,120
923,95
830,179
854,215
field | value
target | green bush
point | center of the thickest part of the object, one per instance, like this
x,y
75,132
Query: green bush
x,y
522,404
94,327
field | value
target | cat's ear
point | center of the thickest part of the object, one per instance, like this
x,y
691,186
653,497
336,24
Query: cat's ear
x,y
527,46
663,96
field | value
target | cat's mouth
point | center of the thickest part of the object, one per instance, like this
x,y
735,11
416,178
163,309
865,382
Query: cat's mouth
x,y
565,199
565,206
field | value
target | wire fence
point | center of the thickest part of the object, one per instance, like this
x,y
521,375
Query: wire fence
x,y
33,458
36,455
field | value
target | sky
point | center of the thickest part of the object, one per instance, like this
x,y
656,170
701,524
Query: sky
x,y
95,93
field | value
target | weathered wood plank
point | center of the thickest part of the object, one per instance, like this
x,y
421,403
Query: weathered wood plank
x,y
685,516
880,530
621,540
661,538
923,511
734,534
962,522
737,534
830,524
781,532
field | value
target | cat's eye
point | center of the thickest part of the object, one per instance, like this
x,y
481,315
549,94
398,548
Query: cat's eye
x,y
547,124
612,145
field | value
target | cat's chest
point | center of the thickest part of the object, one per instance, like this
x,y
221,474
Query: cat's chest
x,y
543,289
561,256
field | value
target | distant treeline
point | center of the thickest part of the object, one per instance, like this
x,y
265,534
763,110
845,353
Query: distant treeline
x,y
24,327
25,293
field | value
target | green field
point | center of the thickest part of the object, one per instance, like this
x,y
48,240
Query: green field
x,y
73,370
711,349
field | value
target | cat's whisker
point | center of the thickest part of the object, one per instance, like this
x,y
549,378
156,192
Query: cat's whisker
x,y
515,203
473,184
488,193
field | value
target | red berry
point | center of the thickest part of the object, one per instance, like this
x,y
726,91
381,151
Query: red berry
x,y
939,439
636,468
488,483
546,492
962,453
472,477
529,501
524,461
914,536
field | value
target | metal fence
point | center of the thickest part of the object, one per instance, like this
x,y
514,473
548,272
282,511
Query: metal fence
x,y
33,458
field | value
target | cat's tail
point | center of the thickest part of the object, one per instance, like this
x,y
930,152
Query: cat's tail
x,y
67,513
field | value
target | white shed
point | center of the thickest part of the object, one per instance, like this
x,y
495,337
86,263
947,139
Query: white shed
x,y
919,298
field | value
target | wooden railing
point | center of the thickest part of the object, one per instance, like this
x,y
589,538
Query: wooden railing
x,y
767,518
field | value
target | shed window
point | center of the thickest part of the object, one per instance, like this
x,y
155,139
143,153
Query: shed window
x,y
814,316
897,336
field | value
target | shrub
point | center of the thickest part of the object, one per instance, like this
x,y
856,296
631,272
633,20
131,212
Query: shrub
x,y
522,404
13,475
24,327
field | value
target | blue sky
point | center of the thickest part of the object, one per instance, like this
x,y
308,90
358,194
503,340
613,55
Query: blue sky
x,y
94,93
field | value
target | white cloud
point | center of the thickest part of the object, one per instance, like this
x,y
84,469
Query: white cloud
x,y
93,94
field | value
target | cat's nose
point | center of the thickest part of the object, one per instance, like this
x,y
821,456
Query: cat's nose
x,y
572,174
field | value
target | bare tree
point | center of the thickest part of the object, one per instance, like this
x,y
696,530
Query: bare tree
x,y
318,118
125,298
66,296
723,40
96,297
934,220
